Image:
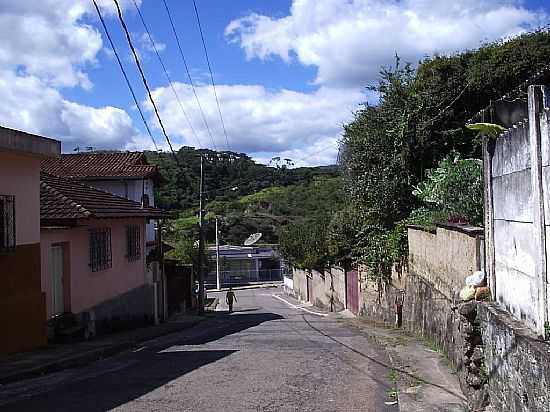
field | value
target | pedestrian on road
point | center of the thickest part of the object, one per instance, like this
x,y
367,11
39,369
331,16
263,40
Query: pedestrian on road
x,y
229,298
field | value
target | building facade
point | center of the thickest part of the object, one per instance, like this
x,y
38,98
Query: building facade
x,y
94,255
22,302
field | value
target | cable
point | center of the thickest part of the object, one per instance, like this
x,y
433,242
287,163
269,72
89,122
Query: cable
x,y
166,74
138,64
125,75
211,75
189,74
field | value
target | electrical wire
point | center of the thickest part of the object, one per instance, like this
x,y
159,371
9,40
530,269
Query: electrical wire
x,y
168,78
138,64
189,74
211,75
124,74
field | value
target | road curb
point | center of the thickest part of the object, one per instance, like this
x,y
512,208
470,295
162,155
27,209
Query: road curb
x,y
87,357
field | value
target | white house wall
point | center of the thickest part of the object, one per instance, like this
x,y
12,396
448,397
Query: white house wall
x,y
132,189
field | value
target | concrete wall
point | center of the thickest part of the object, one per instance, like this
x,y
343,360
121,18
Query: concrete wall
x,y
498,360
445,257
89,289
517,166
329,288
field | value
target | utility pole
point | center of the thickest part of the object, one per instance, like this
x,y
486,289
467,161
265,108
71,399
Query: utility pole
x,y
218,281
201,244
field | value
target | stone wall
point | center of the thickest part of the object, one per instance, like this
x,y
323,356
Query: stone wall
x,y
517,363
445,256
328,287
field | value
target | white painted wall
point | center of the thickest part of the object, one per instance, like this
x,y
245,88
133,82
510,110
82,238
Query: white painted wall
x,y
132,189
520,221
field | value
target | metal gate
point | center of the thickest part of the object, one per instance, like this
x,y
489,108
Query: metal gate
x,y
352,291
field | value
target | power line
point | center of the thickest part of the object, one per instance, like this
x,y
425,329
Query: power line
x,y
125,75
138,64
211,75
166,74
188,73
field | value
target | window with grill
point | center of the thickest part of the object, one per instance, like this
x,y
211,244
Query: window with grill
x,y
133,242
7,223
100,249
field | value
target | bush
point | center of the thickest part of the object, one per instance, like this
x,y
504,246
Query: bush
x,y
455,188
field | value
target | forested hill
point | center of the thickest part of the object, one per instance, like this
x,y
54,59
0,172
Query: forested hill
x,y
227,176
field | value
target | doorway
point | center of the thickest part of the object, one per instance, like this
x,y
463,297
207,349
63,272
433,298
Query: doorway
x,y
58,280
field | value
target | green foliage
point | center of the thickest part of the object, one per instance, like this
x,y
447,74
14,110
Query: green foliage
x,y
227,176
184,251
455,188
304,245
417,123
489,129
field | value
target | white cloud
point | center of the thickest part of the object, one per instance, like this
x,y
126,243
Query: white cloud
x,y
348,40
258,120
47,46
146,44
30,105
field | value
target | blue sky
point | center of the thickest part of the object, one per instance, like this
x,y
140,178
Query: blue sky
x,y
289,72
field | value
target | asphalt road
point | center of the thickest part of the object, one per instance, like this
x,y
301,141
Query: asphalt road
x,y
266,356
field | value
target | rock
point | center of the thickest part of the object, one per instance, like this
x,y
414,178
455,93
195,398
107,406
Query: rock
x,y
477,355
468,310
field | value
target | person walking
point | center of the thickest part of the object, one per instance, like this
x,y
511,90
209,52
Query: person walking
x,y
229,298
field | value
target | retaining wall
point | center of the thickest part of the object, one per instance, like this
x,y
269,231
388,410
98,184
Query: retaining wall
x,y
328,287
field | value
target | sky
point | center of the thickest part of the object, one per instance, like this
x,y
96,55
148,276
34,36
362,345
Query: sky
x,y
288,73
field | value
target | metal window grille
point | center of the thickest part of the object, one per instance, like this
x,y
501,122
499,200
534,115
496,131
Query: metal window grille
x,y
133,242
7,223
100,249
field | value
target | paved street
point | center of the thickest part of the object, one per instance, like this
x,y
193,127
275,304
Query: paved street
x,y
267,356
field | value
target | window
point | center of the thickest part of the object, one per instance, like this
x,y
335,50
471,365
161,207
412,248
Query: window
x,y
133,242
100,249
7,223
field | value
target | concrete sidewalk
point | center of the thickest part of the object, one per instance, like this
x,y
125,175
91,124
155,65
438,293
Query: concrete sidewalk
x,y
57,357
425,380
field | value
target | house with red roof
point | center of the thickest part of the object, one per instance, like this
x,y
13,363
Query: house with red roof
x,y
125,174
93,255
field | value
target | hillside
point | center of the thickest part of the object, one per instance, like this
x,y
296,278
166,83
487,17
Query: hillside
x,y
227,176
245,196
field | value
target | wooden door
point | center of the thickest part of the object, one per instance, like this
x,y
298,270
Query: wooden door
x,y
56,278
352,291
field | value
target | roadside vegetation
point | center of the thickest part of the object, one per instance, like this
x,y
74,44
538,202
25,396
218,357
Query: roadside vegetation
x,y
409,159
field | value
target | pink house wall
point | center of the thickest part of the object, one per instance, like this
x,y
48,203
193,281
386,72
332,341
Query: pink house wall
x,y
20,177
87,288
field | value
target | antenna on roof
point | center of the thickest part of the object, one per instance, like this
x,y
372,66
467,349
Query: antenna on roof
x,y
252,239
89,148
76,149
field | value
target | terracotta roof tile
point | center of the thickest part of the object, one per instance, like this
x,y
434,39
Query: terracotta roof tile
x,y
100,164
62,199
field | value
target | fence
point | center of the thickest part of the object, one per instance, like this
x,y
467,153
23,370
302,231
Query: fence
x,y
517,206
243,277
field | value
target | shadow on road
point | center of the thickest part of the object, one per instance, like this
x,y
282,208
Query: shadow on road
x,y
147,370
